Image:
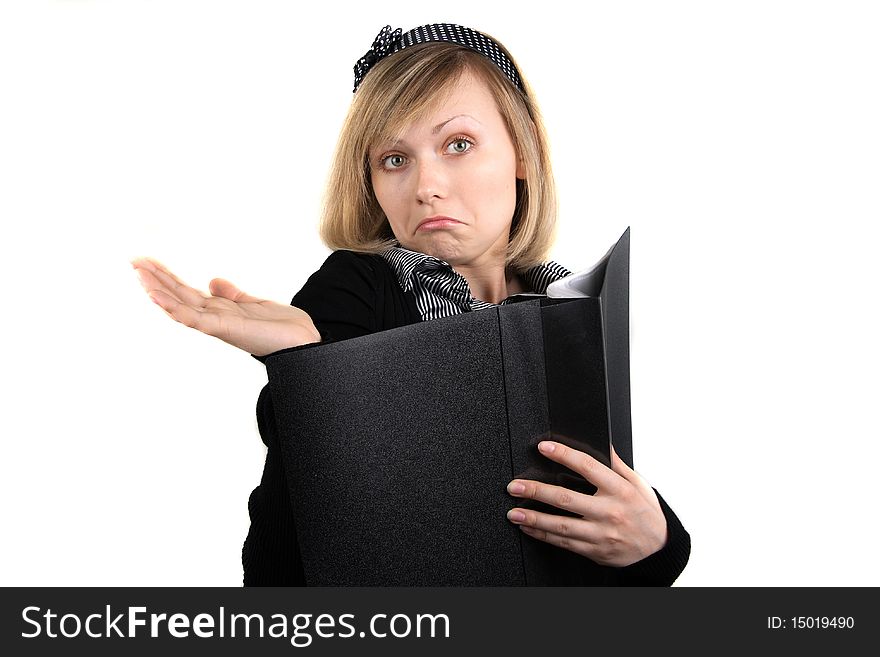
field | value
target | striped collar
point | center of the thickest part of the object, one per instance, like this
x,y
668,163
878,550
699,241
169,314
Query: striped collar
x,y
440,291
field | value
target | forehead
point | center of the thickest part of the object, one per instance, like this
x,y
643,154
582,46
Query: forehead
x,y
468,95
468,90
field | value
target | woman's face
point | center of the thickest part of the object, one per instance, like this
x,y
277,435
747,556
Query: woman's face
x,y
458,163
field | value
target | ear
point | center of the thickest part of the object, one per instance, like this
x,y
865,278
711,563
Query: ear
x,y
520,169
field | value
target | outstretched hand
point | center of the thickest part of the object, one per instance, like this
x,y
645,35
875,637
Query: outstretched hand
x,y
257,326
620,524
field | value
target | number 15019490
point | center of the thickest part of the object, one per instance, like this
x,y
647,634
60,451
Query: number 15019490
x,y
810,623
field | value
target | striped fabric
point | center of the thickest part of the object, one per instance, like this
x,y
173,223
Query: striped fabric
x,y
440,291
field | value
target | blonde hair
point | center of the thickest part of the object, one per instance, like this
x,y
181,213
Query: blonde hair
x,y
398,91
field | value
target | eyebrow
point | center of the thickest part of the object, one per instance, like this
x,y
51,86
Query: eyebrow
x,y
435,130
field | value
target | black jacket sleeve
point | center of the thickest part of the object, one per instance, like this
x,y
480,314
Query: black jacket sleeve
x,y
270,555
341,296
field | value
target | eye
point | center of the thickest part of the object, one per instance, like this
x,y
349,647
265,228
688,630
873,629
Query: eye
x,y
461,144
392,161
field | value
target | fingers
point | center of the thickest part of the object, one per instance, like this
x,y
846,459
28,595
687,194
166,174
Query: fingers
x,y
619,525
570,542
179,301
574,534
633,477
621,468
154,266
176,310
151,284
561,498
589,468
154,276
220,287
534,522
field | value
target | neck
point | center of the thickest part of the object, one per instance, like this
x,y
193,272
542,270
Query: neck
x,y
492,284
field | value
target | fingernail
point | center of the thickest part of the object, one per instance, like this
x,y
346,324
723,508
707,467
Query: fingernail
x,y
516,516
515,487
546,446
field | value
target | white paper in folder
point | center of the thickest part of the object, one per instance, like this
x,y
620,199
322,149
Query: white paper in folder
x,y
586,283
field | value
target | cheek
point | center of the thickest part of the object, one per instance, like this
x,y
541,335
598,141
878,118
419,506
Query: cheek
x,y
497,173
493,189
387,198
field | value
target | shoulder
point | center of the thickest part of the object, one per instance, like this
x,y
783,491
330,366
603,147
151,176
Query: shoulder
x,y
345,294
348,270
353,263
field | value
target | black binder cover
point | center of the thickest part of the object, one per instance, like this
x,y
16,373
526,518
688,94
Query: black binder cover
x,y
398,446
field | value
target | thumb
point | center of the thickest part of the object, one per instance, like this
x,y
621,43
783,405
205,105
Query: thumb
x,y
220,287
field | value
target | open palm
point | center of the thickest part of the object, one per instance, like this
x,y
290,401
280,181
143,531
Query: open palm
x,y
257,326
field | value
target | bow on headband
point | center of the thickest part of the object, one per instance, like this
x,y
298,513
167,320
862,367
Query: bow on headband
x,y
389,42
382,45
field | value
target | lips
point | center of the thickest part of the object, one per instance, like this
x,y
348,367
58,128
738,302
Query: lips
x,y
438,221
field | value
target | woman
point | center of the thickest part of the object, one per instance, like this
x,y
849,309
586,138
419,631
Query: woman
x,y
441,200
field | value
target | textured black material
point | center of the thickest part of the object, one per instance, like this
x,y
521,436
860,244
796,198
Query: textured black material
x,y
401,480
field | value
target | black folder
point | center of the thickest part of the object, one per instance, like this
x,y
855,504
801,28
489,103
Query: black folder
x,y
398,446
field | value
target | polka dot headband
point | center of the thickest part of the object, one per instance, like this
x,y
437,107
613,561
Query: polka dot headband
x,y
387,43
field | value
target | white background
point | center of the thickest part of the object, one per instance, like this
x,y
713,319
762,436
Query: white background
x,y
739,140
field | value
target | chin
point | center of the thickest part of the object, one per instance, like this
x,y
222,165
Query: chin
x,y
443,249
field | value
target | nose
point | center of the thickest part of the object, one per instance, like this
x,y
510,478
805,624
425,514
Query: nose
x,y
431,181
